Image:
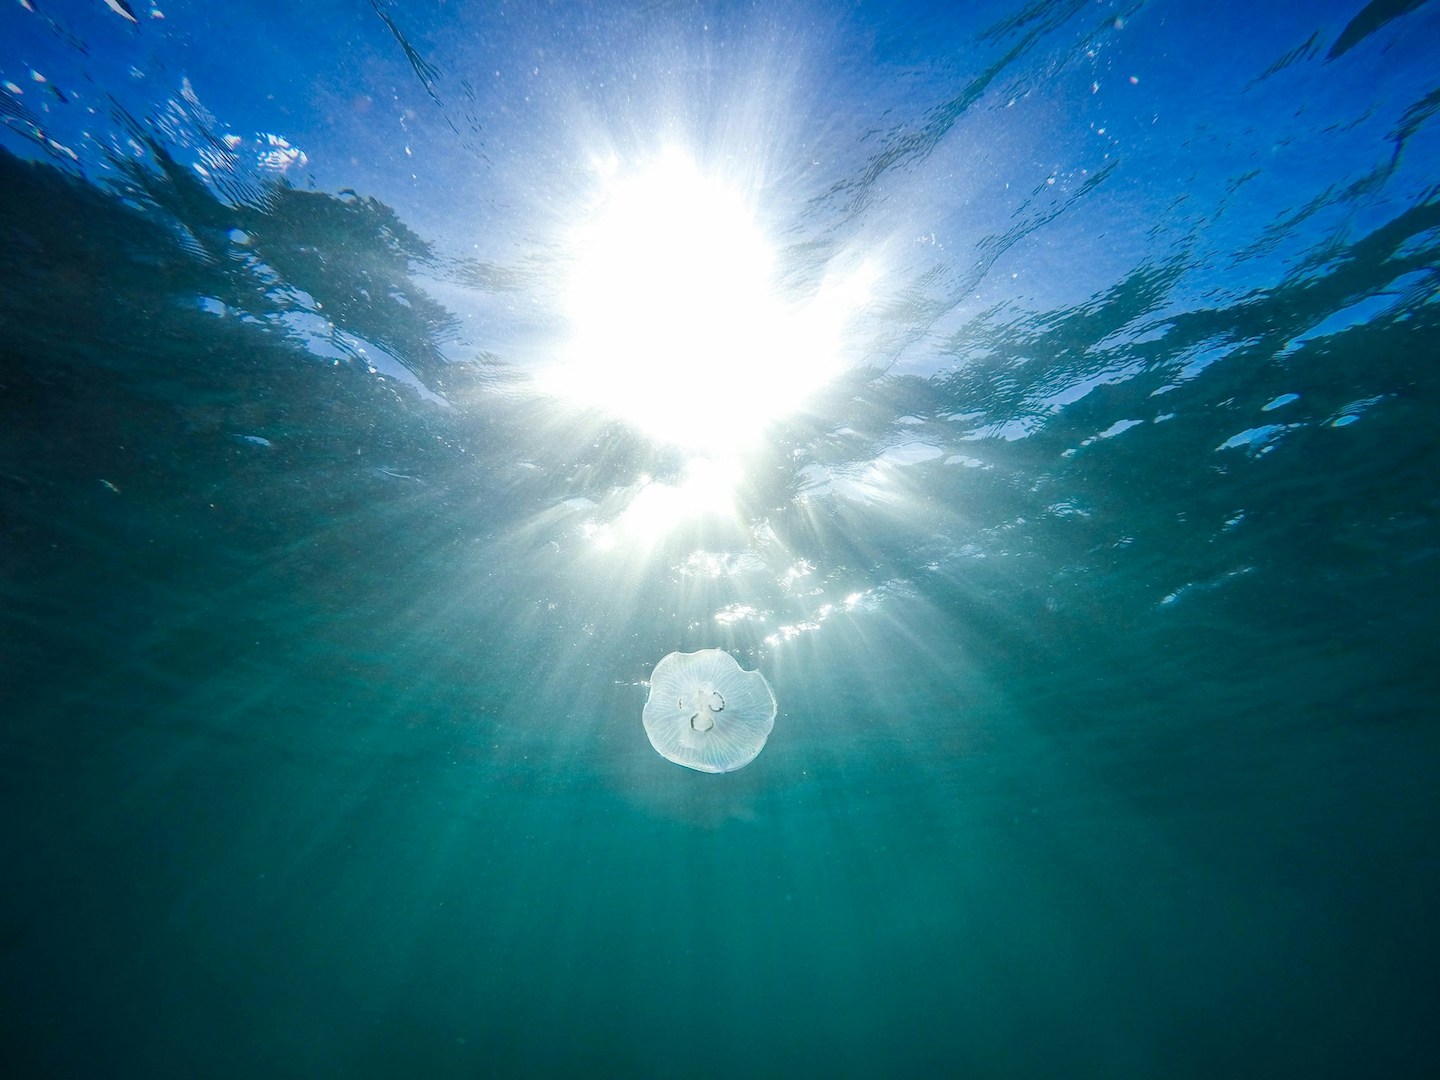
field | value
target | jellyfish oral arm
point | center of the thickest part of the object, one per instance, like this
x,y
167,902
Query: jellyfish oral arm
x,y
703,708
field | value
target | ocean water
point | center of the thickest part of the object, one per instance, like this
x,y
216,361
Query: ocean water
x,y
1095,566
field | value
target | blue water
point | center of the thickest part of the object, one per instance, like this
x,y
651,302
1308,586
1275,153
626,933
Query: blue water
x,y
1095,578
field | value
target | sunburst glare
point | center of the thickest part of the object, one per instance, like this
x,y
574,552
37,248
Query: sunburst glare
x,y
707,490
676,324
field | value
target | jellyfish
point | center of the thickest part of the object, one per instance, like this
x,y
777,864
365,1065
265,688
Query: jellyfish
x,y
706,712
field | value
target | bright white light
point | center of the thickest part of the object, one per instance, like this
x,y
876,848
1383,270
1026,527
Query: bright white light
x,y
676,325
707,489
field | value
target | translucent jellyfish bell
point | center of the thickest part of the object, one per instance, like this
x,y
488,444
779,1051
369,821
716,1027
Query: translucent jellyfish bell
x,y
706,712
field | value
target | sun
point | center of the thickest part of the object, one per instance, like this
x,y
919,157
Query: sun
x,y
675,323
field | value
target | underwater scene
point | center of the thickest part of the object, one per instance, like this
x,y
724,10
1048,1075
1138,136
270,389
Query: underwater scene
x,y
719,539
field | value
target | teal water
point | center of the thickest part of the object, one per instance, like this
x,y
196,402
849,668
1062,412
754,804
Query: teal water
x,y
1102,618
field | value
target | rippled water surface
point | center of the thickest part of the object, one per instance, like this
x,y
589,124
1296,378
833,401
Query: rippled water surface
x,y
1042,396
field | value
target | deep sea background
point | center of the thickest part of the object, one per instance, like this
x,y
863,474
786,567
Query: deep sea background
x,y
1099,592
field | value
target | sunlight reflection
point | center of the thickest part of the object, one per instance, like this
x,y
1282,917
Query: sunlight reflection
x,y
735,613
676,324
708,489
